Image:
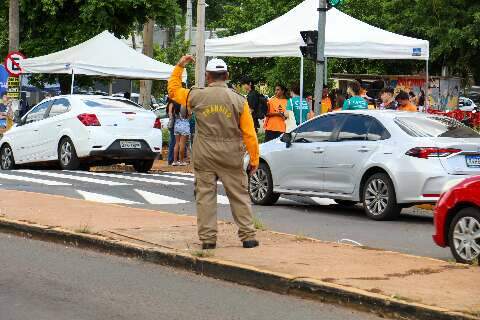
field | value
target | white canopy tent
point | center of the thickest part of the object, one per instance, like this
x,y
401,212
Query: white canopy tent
x,y
345,37
103,55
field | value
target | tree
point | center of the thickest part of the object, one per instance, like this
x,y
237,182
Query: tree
x,y
146,85
51,25
13,25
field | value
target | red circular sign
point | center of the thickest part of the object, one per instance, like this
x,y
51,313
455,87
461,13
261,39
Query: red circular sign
x,y
12,63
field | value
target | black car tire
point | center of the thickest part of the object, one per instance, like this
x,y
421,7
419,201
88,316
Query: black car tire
x,y
7,159
143,166
464,215
67,155
260,187
379,199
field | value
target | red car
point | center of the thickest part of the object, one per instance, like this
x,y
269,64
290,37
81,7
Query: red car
x,y
457,220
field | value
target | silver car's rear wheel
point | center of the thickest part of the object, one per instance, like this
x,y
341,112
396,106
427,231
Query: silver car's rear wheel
x,y
260,186
464,235
7,160
379,198
67,155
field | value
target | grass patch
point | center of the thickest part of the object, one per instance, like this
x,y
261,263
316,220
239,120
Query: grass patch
x,y
84,229
203,253
300,237
399,297
258,224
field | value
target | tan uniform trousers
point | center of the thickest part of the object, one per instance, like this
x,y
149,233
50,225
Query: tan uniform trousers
x,y
235,184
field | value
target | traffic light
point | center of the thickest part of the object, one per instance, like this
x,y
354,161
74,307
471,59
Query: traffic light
x,y
310,50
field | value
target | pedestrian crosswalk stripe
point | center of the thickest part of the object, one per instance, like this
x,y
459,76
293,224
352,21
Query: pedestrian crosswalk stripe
x,y
71,177
154,198
323,201
33,180
222,199
164,176
181,173
97,197
131,178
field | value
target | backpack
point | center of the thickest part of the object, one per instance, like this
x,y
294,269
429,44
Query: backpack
x,y
262,107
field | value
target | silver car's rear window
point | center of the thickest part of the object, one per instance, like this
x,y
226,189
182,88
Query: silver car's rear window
x,y
109,103
435,126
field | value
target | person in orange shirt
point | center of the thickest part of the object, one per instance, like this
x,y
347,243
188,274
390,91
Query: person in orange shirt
x,y
404,103
275,118
326,101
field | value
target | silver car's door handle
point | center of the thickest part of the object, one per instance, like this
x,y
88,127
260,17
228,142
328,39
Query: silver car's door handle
x,y
318,150
363,149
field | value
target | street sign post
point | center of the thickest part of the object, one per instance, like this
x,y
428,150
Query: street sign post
x,y
12,63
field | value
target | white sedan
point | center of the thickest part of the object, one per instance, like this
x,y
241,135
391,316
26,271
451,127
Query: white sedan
x,y
386,160
82,130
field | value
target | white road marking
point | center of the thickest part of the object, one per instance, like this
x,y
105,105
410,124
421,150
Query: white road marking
x,y
27,179
154,198
70,177
222,199
97,197
181,173
323,201
169,176
131,178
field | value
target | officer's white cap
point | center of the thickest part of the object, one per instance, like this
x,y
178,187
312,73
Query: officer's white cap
x,y
216,65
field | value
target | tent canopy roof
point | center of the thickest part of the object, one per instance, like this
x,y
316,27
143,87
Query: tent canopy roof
x,y
345,37
103,55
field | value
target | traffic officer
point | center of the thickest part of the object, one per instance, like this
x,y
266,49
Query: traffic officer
x,y
223,126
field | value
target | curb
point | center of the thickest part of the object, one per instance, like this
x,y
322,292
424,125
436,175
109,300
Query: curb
x,y
240,274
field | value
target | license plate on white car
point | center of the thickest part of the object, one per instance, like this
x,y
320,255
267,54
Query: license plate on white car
x,y
130,145
473,161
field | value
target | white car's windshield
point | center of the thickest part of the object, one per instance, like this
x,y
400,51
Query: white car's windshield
x,y
109,103
435,126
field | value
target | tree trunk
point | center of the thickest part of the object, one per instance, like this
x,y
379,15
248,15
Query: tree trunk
x,y
13,26
146,85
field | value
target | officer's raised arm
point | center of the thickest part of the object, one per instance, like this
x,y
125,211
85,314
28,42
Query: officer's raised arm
x,y
249,137
175,90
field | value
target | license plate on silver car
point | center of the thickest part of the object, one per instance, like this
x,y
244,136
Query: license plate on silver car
x,y
473,161
130,145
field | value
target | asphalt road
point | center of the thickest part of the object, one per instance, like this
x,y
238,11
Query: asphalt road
x,y
42,280
318,218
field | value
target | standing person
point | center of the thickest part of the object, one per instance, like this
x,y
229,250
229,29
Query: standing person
x,y
4,105
356,102
388,101
339,100
182,132
171,130
275,119
413,98
326,101
223,125
300,110
421,100
256,102
404,103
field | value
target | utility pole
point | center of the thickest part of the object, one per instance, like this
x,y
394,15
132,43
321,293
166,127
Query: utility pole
x,y
320,63
146,85
200,45
189,21
13,26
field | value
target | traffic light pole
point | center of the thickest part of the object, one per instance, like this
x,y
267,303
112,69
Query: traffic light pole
x,y
320,64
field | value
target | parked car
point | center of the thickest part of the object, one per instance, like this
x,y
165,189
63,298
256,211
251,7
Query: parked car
x,y
388,160
457,220
466,104
78,130
161,113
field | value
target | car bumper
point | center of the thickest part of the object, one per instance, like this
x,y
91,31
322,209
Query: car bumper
x,y
115,152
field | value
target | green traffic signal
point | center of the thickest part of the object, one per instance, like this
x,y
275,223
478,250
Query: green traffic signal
x,y
335,3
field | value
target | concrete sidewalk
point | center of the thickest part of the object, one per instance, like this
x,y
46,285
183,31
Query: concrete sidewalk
x,y
445,289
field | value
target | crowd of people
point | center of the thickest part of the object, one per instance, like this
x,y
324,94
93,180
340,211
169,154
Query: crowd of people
x,y
286,109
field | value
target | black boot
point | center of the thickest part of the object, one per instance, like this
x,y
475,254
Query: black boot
x,y
250,244
208,246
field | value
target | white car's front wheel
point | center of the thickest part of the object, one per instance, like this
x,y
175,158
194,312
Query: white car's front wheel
x,y
379,199
67,155
7,159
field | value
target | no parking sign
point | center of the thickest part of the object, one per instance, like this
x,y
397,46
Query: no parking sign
x,y
12,63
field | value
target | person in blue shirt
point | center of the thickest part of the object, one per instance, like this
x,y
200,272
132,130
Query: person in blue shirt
x,y
300,110
356,102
